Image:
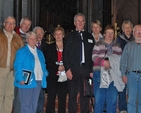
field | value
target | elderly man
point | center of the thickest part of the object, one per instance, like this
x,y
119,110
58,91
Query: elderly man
x,y
40,45
123,39
130,66
10,42
25,25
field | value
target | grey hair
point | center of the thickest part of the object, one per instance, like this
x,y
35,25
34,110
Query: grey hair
x,y
38,27
79,14
28,34
10,17
25,18
138,25
127,22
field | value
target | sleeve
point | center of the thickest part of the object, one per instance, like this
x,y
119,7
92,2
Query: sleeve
x,y
96,56
123,61
19,59
49,57
66,51
44,64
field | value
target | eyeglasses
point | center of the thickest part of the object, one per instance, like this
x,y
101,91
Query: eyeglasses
x,y
110,33
138,32
10,23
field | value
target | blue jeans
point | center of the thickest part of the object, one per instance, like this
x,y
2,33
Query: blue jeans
x,y
122,104
134,92
102,95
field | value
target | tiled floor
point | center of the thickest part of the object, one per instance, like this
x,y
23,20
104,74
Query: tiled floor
x,y
56,108
78,107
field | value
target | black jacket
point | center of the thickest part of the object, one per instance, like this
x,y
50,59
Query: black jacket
x,y
71,57
51,57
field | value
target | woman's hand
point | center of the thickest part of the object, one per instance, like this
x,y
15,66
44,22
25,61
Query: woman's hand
x,y
106,64
61,68
22,82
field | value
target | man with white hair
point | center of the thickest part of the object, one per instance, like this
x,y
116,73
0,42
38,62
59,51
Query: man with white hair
x,y
41,46
10,42
25,25
130,66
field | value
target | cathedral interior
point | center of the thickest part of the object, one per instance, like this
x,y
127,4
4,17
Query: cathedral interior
x,y
50,13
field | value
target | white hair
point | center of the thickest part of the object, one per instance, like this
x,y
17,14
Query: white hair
x,y
38,27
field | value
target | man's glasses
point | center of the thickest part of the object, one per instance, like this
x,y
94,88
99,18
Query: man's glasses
x,y
10,23
138,32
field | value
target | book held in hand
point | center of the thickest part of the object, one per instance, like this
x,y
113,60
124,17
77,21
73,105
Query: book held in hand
x,y
26,75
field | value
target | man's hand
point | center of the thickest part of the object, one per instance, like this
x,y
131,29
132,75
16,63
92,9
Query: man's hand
x,y
124,79
91,75
69,74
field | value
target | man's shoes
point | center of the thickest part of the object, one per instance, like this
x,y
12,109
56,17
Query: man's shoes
x,y
123,111
104,111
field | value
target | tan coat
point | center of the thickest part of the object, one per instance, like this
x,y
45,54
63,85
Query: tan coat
x,y
16,43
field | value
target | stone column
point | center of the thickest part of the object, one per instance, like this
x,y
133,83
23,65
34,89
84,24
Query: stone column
x,y
97,9
139,11
18,11
89,14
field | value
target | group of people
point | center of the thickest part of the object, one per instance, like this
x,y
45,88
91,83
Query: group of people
x,y
28,65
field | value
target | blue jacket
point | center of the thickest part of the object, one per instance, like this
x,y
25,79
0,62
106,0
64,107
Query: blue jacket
x,y
24,60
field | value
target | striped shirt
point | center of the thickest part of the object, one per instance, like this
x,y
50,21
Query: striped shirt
x,y
100,52
131,58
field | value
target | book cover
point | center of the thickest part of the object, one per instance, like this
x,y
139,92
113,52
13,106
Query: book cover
x,y
26,75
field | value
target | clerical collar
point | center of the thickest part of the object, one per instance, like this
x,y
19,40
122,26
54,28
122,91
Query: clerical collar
x,y
80,31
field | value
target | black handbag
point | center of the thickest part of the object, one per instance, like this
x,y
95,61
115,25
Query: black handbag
x,y
89,89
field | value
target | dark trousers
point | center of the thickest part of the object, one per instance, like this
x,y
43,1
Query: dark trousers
x,y
56,88
77,85
41,100
16,102
122,104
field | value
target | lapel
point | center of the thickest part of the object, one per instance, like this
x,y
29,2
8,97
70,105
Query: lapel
x,y
31,57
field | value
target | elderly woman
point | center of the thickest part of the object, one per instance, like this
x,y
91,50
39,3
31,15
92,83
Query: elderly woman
x,y
56,86
96,29
106,57
30,74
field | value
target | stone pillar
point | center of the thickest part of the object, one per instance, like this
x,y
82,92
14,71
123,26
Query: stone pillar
x,y
90,2
18,11
97,9
29,8
139,11
33,8
6,9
